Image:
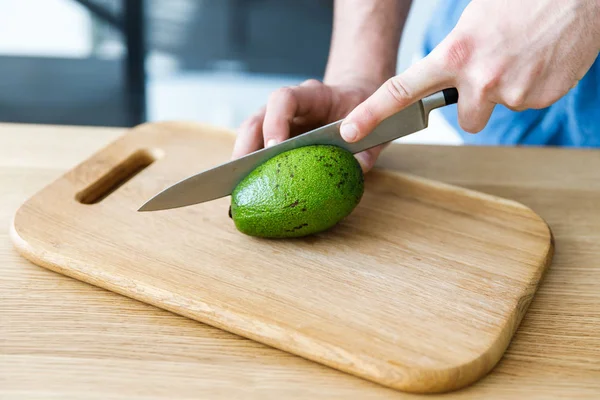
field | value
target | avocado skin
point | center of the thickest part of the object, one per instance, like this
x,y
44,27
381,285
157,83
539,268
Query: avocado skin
x,y
298,193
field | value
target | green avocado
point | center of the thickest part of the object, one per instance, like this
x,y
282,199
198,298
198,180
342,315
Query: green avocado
x,y
298,193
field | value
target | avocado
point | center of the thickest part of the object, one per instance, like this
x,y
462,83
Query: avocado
x,y
298,193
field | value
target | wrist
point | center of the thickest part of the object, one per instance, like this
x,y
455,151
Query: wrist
x,y
591,11
368,80
596,21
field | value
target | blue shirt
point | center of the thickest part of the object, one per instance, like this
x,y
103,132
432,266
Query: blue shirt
x,y
572,121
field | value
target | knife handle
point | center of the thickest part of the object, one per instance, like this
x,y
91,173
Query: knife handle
x,y
440,99
450,96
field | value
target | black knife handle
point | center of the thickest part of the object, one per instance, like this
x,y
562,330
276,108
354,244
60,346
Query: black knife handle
x,y
450,96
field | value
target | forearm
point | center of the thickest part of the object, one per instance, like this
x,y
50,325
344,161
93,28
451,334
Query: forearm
x,y
365,40
593,15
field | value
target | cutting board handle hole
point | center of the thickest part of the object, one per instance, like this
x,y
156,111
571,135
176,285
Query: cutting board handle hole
x,y
117,176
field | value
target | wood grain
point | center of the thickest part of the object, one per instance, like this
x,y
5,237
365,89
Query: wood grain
x,y
421,289
64,339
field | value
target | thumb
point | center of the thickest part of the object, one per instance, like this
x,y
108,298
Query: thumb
x,y
367,158
420,80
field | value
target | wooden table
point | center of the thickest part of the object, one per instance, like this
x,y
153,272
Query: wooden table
x,y
63,339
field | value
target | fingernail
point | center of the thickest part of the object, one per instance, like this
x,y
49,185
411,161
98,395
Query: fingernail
x,y
271,142
348,132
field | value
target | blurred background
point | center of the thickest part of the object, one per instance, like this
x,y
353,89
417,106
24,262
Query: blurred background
x,y
124,62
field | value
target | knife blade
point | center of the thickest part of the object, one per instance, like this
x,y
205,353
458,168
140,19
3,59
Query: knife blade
x,y
221,180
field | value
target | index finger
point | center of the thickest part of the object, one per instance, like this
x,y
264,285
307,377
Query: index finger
x,y
309,100
425,77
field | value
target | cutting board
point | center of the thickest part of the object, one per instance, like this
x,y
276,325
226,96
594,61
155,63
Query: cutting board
x,y
420,289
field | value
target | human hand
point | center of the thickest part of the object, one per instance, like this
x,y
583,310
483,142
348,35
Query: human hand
x,y
294,110
523,54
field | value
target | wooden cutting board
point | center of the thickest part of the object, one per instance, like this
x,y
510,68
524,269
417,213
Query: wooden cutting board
x,y
420,289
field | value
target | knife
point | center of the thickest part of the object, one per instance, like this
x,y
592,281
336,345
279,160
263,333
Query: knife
x,y
220,181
